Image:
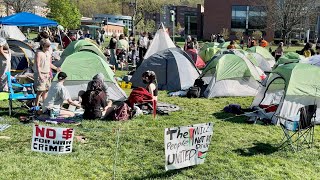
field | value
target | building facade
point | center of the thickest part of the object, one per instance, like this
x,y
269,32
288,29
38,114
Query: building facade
x,y
189,19
104,18
236,15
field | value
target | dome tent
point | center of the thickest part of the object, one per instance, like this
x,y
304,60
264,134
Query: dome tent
x,y
291,86
81,67
77,46
231,75
173,67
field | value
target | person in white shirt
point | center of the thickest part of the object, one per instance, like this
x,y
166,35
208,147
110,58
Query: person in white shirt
x,y
143,45
57,94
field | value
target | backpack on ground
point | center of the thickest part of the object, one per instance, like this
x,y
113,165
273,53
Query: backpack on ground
x,y
194,92
122,113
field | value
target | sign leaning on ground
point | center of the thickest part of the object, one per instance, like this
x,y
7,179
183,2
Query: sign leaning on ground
x,y
187,145
52,139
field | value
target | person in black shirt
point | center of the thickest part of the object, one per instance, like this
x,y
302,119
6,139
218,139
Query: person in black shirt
x,y
113,47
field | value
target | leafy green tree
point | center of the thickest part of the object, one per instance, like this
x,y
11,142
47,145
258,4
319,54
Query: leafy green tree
x,y
65,12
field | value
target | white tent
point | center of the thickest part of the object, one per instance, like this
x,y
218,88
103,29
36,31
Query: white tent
x,y
161,41
12,32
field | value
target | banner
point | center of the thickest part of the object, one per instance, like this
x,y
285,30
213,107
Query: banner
x,y
52,139
187,146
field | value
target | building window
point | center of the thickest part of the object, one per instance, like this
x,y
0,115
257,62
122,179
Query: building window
x,y
239,17
257,17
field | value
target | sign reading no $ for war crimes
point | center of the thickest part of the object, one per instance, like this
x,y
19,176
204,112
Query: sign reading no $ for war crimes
x,y
52,140
187,146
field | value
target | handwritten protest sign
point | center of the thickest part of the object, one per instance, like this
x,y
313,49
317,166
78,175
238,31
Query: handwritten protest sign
x,y
52,140
187,146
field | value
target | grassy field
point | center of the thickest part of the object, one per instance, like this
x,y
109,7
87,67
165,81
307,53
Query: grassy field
x,y
238,150
135,149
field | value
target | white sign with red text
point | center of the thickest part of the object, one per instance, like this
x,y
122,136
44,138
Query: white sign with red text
x,y
52,139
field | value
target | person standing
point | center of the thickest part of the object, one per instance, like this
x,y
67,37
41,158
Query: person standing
x,y
88,35
42,69
279,51
5,65
241,42
143,43
133,49
122,50
249,42
113,47
98,37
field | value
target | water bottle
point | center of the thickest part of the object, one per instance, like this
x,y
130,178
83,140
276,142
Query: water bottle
x,y
25,92
52,114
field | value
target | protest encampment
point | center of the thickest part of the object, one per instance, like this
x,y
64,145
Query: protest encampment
x,y
154,89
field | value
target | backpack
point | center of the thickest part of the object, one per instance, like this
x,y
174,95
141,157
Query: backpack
x,y
307,53
194,92
122,113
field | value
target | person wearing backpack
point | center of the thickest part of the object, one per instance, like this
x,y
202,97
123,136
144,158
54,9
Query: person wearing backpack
x,y
94,101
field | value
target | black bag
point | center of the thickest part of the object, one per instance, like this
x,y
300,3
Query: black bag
x,y
198,83
194,92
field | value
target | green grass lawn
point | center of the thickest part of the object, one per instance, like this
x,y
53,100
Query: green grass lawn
x,y
238,150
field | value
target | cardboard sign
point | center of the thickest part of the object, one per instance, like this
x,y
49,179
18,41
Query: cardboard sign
x,y
52,139
187,146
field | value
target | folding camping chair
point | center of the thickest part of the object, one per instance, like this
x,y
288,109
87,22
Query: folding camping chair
x,y
300,132
20,92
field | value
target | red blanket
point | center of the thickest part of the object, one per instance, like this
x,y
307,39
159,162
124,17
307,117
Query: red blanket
x,y
139,95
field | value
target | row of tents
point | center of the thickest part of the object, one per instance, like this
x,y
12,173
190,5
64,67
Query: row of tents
x,y
290,83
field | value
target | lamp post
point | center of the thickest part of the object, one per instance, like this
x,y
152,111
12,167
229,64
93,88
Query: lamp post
x,y
173,19
133,3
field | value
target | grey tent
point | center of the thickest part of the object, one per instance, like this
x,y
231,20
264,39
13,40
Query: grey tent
x,y
175,70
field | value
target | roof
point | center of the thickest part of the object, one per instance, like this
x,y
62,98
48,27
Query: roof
x,y
115,24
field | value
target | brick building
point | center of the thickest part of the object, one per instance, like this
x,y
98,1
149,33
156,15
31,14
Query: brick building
x,y
235,15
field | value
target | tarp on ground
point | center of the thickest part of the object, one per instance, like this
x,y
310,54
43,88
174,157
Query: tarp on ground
x,y
26,19
81,67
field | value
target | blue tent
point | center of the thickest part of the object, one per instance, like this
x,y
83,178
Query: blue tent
x,y
27,19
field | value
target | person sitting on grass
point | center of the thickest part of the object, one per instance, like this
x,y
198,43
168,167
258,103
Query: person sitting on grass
x,y
149,78
95,102
57,94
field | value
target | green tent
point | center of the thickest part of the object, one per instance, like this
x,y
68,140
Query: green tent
x,y
231,75
290,86
290,57
82,66
226,44
80,45
262,51
208,53
209,44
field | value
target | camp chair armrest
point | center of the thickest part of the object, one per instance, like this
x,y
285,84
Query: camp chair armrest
x,y
22,85
286,119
